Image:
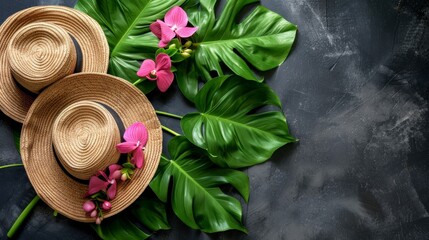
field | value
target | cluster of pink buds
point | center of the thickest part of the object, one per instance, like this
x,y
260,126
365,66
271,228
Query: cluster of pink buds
x,y
103,185
93,209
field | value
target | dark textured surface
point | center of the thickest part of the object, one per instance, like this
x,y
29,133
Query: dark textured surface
x,y
355,91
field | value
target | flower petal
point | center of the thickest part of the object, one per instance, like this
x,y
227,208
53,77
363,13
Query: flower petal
x,y
155,27
111,191
136,132
103,174
162,44
126,147
138,157
163,62
186,32
96,185
112,169
147,66
176,16
166,33
165,78
115,175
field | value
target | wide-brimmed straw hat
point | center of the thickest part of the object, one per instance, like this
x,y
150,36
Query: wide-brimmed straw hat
x,y
39,46
70,132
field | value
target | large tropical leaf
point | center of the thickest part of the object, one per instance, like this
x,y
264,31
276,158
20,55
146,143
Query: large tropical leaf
x,y
195,194
229,126
150,212
118,228
263,39
126,25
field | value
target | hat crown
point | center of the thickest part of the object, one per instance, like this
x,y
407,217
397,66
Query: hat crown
x,y
40,54
85,136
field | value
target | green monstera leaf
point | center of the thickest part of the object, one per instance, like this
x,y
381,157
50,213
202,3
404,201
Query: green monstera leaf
x,y
119,228
150,212
126,26
195,194
262,40
229,126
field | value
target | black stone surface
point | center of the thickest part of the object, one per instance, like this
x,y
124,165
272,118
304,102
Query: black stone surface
x,y
355,90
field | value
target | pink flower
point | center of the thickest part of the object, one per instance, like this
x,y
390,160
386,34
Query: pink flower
x,y
88,206
175,24
159,71
135,140
106,205
93,214
102,182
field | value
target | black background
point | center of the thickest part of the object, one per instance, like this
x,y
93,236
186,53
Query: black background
x,y
355,91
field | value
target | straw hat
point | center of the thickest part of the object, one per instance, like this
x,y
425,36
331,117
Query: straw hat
x,y
39,46
70,132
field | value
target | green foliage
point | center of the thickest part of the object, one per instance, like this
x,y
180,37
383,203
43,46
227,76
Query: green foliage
x,y
118,228
149,212
17,138
126,25
195,194
230,130
152,214
261,40
229,127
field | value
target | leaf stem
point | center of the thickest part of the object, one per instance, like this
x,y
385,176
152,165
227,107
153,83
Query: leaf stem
x,y
169,114
12,165
170,131
18,222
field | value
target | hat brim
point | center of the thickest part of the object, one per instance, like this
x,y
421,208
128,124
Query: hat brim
x,y
52,184
14,102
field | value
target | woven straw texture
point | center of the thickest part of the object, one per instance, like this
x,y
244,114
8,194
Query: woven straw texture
x,y
55,187
15,102
39,54
85,136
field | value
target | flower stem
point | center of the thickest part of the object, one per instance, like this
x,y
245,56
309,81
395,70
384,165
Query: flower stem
x,y
18,222
137,82
169,130
12,165
169,114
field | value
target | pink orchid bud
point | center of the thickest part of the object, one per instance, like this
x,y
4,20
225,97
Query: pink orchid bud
x,y
124,177
106,205
93,214
116,174
98,221
88,206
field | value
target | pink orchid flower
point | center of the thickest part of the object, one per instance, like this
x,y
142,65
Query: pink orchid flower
x,y
136,138
102,182
159,71
175,24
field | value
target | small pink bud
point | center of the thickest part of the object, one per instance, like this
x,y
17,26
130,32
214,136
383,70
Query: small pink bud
x,y
106,205
88,206
116,174
98,221
93,214
124,177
